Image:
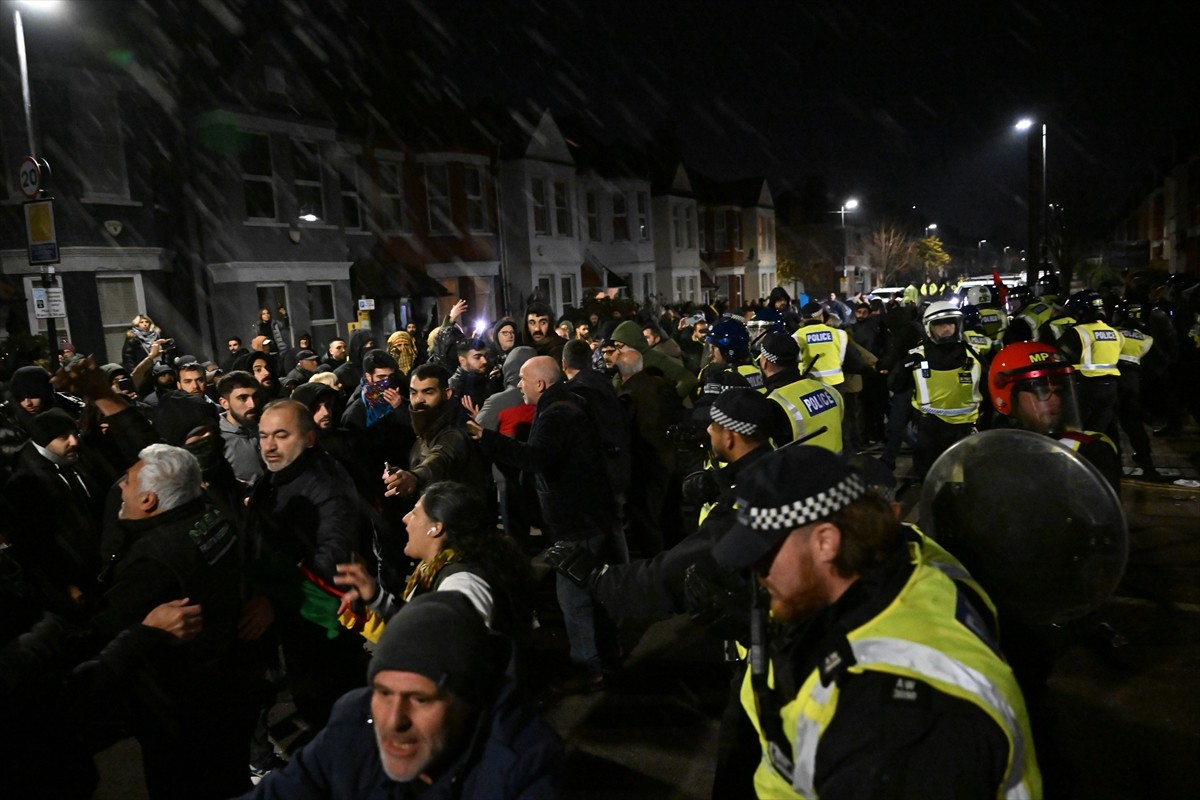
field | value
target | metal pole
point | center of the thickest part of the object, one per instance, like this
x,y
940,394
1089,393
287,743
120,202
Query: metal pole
x,y
1036,200
47,274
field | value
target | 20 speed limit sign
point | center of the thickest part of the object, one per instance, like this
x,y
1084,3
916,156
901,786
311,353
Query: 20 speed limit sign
x,y
29,177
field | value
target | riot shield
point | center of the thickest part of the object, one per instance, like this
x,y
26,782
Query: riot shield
x,y
1034,522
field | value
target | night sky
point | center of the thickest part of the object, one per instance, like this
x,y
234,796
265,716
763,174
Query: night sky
x,y
897,104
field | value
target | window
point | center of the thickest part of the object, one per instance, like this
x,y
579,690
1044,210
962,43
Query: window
x,y
593,218
477,210
562,211
643,216
568,290
769,233
322,318
437,192
620,223
100,150
120,299
352,214
310,195
762,232
690,221
720,235
681,290
391,196
541,218
545,289
677,224
647,286
258,177
735,224
703,232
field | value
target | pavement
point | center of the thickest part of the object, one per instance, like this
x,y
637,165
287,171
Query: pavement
x,y
1123,699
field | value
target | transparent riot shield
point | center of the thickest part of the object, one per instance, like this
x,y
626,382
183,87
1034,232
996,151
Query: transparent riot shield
x,y
1034,522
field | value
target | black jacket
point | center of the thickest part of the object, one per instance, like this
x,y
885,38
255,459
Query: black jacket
x,y
562,451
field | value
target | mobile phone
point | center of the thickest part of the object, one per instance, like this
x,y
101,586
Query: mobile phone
x,y
125,385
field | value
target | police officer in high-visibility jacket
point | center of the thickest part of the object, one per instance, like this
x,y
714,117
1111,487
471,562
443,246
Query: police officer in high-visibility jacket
x,y
945,376
882,675
1027,315
1137,350
823,348
814,410
1094,348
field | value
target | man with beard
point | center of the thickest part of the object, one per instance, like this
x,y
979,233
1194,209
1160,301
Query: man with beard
x,y
538,331
443,450
262,367
471,378
53,507
239,424
885,677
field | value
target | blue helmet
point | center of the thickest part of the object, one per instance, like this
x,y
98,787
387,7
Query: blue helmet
x,y
767,320
1086,306
972,321
732,339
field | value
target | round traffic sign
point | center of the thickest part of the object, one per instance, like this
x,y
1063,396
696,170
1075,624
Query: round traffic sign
x,y
29,177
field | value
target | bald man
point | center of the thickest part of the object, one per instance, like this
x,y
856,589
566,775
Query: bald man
x,y
577,503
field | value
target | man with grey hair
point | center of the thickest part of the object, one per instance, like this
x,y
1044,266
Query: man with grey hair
x,y
192,707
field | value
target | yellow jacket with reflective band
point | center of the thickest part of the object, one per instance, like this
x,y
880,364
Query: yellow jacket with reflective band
x,y
822,351
1134,346
1101,349
1059,326
753,376
995,322
951,394
917,636
810,405
981,343
1035,315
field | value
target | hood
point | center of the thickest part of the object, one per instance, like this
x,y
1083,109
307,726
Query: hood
x,y
512,365
358,340
630,333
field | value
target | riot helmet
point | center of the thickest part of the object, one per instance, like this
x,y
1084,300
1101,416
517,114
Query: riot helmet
x,y
979,295
730,338
1018,298
1086,306
1033,384
941,313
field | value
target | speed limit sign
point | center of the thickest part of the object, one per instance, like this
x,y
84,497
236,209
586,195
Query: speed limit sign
x,y
29,177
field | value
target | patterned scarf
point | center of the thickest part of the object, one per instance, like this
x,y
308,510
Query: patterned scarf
x,y
427,571
372,397
401,347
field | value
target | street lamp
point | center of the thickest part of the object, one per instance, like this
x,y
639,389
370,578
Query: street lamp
x,y
930,227
1037,198
27,98
849,205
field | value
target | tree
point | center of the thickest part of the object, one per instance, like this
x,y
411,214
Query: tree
x,y
890,253
931,257
804,257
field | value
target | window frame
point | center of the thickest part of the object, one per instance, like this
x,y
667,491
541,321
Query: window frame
x,y
268,179
620,220
435,201
307,150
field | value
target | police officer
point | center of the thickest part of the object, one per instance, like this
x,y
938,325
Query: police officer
x,y
945,378
813,409
823,348
1027,315
1137,347
1094,348
882,676
1033,385
992,318
728,362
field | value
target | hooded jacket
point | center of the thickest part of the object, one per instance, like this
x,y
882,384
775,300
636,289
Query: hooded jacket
x,y
630,333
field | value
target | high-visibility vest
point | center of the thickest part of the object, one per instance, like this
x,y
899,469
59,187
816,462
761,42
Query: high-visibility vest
x,y
1101,349
753,376
822,351
995,322
951,394
1035,315
810,406
1134,346
1060,325
924,634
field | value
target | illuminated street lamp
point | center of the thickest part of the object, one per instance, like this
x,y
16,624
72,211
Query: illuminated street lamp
x,y
849,205
930,227
27,99
1037,199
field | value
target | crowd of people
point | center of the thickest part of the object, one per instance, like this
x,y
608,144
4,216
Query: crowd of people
x,y
358,518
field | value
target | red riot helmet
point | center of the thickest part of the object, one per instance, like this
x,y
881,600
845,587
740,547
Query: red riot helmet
x,y
1045,374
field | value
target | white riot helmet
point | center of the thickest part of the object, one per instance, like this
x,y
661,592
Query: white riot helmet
x,y
979,295
942,311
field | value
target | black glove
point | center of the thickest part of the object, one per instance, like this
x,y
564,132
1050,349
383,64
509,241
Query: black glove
x,y
701,487
575,562
719,600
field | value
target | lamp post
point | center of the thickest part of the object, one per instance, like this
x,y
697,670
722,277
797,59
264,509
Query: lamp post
x,y
1036,162
849,205
47,272
930,227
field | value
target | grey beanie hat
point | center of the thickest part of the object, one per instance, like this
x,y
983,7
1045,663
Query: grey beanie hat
x,y
442,636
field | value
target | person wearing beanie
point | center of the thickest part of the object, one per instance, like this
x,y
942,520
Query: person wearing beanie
x,y
439,714
52,506
880,667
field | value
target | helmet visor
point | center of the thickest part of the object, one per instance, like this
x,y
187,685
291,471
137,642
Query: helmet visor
x,y
1046,403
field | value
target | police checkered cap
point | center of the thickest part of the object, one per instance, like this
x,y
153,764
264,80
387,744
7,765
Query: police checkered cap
x,y
788,489
781,349
741,410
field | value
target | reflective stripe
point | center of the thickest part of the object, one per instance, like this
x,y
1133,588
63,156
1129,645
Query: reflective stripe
x,y
948,412
922,660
